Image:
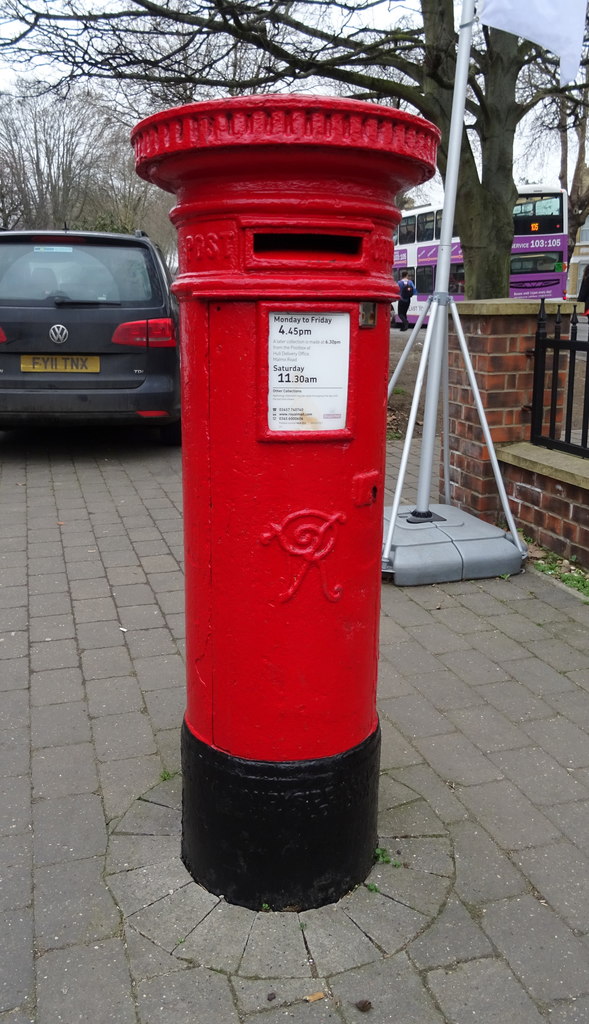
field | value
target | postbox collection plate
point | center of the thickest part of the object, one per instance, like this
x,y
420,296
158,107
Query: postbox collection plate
x,y
308,369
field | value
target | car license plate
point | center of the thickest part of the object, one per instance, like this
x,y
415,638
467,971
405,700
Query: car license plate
x,y
59,364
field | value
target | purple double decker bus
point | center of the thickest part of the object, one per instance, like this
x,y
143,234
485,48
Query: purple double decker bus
x,y
538,254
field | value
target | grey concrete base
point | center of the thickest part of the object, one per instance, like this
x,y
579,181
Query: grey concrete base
x,y
452,545
171,923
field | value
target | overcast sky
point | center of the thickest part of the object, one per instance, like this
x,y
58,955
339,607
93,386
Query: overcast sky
x,y
539,168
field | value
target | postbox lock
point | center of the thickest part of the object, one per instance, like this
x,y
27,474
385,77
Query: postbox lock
x,y
367,316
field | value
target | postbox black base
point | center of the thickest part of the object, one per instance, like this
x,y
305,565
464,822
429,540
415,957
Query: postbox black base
x,y
285,836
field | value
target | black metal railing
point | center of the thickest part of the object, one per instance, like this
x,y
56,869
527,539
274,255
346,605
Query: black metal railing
x,y
560,400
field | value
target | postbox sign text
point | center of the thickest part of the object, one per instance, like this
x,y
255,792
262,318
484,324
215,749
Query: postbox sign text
x,y
308,369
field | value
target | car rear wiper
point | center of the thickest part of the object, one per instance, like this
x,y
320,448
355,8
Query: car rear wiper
x,y
64,300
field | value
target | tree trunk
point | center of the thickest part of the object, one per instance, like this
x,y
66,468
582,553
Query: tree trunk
x,y
563,174
484,204
579,192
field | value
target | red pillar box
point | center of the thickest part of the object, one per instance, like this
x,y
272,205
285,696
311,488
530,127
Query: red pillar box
x,y
285,218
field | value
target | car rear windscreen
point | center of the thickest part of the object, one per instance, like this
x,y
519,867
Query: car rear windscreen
x,y
39,272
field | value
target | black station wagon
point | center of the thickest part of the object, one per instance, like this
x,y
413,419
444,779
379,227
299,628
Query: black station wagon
x,y
88,331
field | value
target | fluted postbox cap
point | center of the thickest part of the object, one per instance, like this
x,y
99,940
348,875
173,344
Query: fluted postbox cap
x,y
294,121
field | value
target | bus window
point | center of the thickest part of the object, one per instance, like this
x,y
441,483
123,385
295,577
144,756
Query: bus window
x,y
424,280
439,214
538,214
538,263
399,271
407,231
425,227
456,282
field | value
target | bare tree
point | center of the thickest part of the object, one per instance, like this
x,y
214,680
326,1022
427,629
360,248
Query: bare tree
x,y
579,190
557,126
10,205
48,154
572,123
201,48
121,201
67,160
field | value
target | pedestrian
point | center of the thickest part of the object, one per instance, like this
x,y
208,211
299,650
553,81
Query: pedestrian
x,y
583,295
406,291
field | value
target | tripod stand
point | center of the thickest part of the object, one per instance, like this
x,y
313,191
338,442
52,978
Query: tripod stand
x,y
445,544
461,546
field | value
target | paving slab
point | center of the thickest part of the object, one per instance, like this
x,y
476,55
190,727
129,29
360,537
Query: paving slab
x,y
508,815
136,888
539,775
484,873
568,744
414,715
414,818
542,951
86,983
60,723
15,752
438,793
56,686
171,918
387,922
72,905
454,936
393,988
183,997
15,805
68,828
220,939
488,728
276,946
446,690
16,862
475,909
17,981
254,996
456,759
573,820
574,1012
147,959
485,991
515,701
122,782
560,871
302,1012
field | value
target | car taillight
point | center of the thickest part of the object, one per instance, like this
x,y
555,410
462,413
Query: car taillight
x,y
2,336
132,333
152,333
161,334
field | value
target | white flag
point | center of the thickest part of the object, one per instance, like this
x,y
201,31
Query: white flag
x,y
556,27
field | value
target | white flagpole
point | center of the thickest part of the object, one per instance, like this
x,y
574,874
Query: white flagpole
x,y
444,258
437,333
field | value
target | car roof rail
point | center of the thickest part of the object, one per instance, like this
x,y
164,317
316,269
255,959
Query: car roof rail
x,y
139,233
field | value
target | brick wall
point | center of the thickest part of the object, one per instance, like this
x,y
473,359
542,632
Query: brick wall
x,y
550,506
500,347
549,499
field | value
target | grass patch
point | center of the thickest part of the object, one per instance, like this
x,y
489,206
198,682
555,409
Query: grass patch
x,y
565,571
